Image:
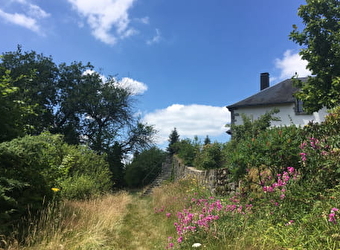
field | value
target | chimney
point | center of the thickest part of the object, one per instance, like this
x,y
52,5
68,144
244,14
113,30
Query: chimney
x,y
264,81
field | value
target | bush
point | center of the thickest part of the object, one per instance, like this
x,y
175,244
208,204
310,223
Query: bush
x,y
187,150
33,167
209,157
88,174
145,167
276,148
29,169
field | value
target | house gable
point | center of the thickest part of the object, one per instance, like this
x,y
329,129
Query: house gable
x,y
279,96
280,93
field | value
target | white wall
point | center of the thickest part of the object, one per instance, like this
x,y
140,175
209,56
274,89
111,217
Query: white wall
x,y
286,114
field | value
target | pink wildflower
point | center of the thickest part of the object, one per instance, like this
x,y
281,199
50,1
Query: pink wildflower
x,y
332,215
303,156
289,222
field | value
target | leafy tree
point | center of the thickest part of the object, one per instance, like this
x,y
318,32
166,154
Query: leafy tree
x,y
75,101
187,150
38,90
145,167
13,111
209,157
173,139
321,48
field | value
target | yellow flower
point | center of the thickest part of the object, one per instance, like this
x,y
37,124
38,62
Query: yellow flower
x,y
55,189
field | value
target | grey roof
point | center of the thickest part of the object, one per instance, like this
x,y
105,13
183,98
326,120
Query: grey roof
x,y
277,94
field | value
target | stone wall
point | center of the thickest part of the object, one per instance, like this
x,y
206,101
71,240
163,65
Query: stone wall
x,y
218,181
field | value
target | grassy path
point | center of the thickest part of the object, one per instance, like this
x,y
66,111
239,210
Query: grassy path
x,y
142,229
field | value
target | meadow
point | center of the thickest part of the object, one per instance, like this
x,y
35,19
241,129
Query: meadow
x,y
183,215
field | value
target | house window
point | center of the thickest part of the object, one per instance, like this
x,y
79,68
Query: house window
x,y
299,107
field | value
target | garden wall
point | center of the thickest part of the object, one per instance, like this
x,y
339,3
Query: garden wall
x,y
218,181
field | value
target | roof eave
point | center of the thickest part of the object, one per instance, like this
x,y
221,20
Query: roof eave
x,y
232,107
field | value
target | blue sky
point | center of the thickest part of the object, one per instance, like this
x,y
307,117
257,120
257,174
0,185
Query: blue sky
x,y
186,59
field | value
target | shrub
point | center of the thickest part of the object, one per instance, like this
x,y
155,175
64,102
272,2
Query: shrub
x,y
276,148
187,150
209,157
33,167
88,174
29,168
145,167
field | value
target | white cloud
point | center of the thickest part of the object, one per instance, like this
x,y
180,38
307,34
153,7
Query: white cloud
x,y
135,87
144,20
290,64
155,39
36,11
104,15
92,72
28,19
21,20
189,120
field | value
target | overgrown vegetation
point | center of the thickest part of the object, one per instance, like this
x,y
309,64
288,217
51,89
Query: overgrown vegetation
x,y
145,167
184,215
64,132
36,169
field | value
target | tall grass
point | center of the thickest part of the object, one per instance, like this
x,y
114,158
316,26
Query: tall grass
x,y
71,225
126,221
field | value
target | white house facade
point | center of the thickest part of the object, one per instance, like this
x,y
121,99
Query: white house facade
x,y
279,96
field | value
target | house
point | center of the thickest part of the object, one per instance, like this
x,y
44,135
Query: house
x,y
281,96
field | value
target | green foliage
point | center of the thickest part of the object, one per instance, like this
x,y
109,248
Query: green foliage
x,y
72,100
254,144
250,129
209,157
320,39
173,139
8,203
320,153
13,111
38,89
88,174
31,162
187,150
207,140
145,167
31,166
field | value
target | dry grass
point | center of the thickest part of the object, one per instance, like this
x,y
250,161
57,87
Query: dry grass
x,y
119,221
78,224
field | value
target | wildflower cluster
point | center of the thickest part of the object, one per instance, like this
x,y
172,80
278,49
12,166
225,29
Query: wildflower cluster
x,y
320,162
282,181
201,215
313,145
333,215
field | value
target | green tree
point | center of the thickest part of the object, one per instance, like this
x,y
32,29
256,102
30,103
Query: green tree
x,y
145,167
173,139
207,140
209,157
13,111
75,101
320,39
38,89
187,150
